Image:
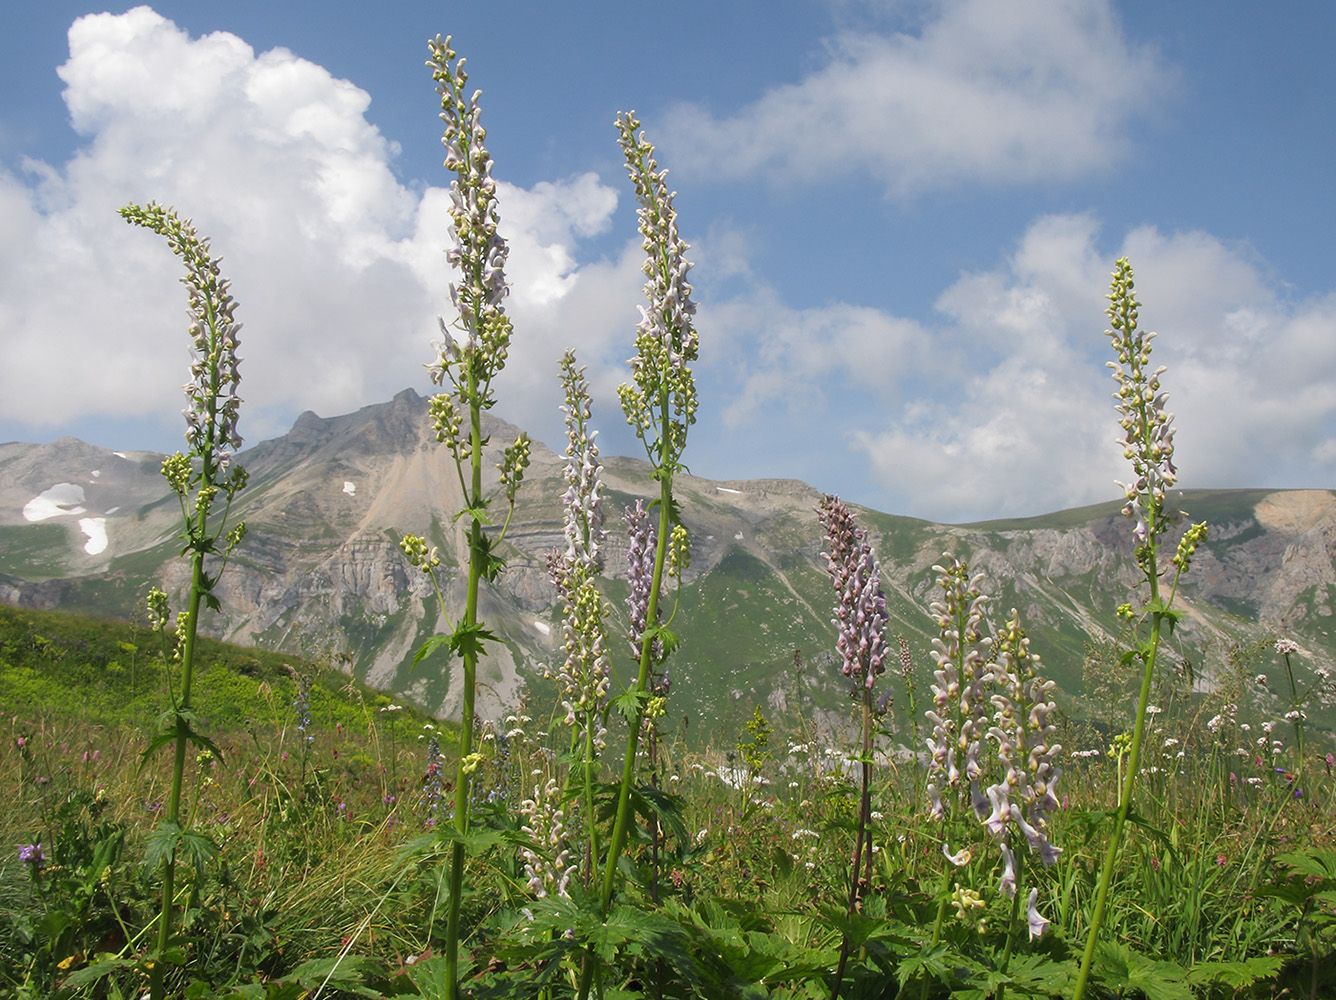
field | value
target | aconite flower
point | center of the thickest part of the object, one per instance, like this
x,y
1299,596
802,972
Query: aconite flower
x,y
214,406
1037,923
1024,735
860,608
642,537
1148,431
660,400
478,338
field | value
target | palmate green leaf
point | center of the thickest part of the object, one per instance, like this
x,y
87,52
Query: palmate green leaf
x,y
630,704
430,977
467,639
1120,968
1310,861
1029,976
478,513
160,844
1293,891
345,973
655,936
667,638
429,647
930,960
1235,975
168,841
651,802
178,724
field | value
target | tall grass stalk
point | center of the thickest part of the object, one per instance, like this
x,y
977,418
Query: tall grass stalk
x,y
197,479
1148,438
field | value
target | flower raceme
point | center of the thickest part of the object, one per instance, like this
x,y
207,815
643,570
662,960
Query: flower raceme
x,y
582,503
1025,795
860,610
959,715
1148,432
660,400
584,676
480,336
211,417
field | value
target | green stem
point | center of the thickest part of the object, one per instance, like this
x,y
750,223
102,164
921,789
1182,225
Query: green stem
x,y
157,987
1129,780
859,879
1012,924
464,771
623,821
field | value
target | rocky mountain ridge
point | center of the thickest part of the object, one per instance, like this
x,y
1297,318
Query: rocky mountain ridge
x,y
320,569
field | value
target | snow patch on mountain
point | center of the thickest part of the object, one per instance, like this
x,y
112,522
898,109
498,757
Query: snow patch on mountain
x,y
63,498
96,530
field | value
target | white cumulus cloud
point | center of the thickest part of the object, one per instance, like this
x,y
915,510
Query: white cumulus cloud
x,y
1019,419
337,266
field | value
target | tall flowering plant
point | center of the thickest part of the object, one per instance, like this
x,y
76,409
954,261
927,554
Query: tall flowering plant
x,y
1024,795
1148,443
471,353
860,624
660,405
584,675
201,479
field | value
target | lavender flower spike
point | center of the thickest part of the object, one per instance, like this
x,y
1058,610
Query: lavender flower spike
x,y
860,609
582,501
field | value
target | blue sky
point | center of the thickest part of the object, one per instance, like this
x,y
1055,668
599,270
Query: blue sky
x,y
903,218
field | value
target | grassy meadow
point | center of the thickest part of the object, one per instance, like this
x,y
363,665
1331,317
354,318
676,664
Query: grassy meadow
x,y
323,885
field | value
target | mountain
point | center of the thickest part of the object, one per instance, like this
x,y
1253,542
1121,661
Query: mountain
x,y
320,571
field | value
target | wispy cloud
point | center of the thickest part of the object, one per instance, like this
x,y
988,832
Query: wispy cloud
x,y
980,92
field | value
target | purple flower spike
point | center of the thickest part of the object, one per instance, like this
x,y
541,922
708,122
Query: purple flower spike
x,y
860,609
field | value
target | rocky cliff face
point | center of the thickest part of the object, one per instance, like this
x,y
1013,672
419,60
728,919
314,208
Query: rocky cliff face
x,y
321,569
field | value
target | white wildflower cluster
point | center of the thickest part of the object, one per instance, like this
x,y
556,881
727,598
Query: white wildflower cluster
x,y
1025,795
214,406
1148,432
959,715
480,336
584,676
967,684
546,861
1224,720
660,401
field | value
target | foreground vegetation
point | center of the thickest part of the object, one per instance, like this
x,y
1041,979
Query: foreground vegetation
x,y
1227,876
